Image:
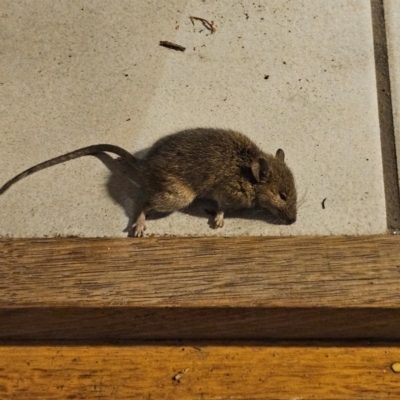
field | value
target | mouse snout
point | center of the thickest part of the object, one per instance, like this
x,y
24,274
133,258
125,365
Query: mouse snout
x,y
290,220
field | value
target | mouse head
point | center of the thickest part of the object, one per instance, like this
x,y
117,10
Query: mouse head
x,y
276,190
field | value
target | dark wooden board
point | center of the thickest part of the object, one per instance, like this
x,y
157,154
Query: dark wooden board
x,y
206,288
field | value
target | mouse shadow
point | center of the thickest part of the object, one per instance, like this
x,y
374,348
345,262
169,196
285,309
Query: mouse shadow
x,y
124,187
206,208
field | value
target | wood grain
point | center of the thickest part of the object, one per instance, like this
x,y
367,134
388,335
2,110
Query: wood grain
x,y
211,288
205,372
240,272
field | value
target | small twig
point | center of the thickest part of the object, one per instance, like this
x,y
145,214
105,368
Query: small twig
x,y
172,46
209,25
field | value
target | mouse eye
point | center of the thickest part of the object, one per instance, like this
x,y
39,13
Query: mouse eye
x,y
282,196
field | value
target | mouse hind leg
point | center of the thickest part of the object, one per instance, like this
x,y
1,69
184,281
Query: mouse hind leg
x,y
139,226
169,200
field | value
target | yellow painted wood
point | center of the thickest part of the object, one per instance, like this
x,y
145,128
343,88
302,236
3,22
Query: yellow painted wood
x,y
198,372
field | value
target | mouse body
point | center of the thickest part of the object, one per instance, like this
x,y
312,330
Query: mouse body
x,y
217,164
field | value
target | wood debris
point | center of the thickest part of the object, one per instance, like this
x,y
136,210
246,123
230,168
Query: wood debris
x,y
172,46
209,25
177,378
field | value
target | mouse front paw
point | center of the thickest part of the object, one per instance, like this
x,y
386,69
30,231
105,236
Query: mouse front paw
x,y
219,220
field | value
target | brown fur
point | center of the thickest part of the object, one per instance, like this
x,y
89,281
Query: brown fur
x,y
216,164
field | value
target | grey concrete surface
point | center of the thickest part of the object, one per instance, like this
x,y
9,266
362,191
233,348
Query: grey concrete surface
x,y
392,17
296,75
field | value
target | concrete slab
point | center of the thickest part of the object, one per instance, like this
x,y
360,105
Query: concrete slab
x,y
392,19
295,75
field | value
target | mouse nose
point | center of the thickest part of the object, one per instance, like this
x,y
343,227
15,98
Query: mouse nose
x,y
291,220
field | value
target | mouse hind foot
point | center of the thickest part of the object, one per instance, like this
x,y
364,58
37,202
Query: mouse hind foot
x,y
139,226
165,202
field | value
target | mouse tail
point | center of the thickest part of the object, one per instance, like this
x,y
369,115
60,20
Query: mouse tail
x,y
85,151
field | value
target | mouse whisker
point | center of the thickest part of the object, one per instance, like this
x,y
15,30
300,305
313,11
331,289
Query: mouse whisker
x,y
303,198
304,206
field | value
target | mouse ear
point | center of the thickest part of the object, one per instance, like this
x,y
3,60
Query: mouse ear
x,y
261,170
280,155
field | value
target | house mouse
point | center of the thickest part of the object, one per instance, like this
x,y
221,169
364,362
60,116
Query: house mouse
x,y
217,164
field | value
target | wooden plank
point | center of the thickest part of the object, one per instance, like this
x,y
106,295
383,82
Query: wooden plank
x,y
193,272
200,372
211,288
